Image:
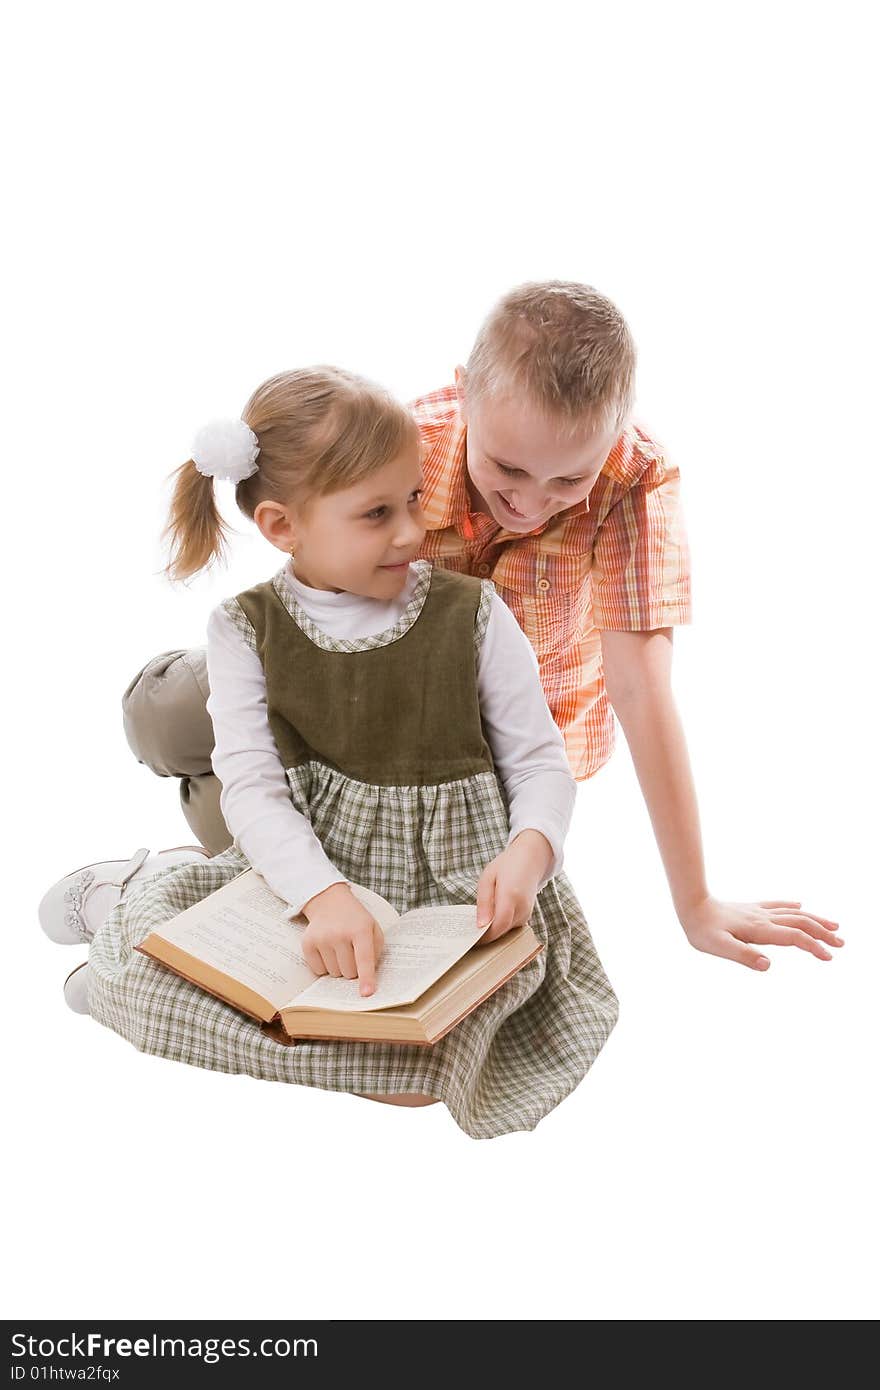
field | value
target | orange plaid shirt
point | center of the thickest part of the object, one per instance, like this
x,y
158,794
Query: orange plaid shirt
x,y
617,560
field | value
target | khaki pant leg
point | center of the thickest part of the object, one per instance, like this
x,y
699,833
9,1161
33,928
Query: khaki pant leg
x,y
168,728
200,803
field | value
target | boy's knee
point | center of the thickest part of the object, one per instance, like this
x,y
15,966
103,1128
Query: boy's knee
x,y
165,717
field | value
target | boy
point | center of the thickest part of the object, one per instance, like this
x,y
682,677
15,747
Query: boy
x,y
537,476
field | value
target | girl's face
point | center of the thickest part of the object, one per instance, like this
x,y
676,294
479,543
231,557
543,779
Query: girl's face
x,y
359,540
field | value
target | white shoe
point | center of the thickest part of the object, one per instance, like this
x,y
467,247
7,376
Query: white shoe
x,y
76,989
74,907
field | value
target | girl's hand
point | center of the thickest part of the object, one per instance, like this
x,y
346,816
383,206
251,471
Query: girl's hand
x,y
723,929
509,884
342,937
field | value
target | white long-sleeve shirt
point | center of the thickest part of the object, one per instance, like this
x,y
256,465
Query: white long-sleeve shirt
x,y
255,799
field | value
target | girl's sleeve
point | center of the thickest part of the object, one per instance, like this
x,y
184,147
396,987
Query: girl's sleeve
x,y
527,744
255,799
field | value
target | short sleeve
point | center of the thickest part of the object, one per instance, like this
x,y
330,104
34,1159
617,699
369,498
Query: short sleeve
x,y
641,571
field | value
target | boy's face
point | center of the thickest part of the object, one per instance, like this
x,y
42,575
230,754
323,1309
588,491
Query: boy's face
x,y
521,473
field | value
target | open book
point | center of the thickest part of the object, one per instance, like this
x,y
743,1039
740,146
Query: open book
x,y
242,944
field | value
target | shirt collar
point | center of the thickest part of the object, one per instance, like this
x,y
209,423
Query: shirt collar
x,y
316,601
445,499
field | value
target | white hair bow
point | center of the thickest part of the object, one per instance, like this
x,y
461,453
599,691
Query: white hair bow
x,y
226,449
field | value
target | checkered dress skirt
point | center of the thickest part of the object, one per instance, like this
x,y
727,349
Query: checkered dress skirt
x,y
501,1069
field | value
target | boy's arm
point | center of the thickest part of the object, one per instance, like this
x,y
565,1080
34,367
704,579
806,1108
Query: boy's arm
x,y
637,668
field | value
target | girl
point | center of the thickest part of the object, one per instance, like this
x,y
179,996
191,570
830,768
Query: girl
x,y
380,721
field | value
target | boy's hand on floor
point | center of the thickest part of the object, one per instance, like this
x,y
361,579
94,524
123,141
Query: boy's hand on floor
x,y
725,929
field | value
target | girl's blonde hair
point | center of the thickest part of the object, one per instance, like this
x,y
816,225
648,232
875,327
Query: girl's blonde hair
x,y
564,347
320,429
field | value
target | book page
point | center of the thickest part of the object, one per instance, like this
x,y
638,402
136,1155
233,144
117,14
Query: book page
x,y
421,948
245,930
380,907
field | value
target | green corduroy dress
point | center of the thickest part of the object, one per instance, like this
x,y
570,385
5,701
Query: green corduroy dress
x,y
385,753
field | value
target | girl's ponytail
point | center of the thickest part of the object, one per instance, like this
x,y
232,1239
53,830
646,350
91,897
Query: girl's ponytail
x,y
316,429
198,534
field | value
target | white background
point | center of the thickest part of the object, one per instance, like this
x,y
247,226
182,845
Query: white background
x,y
207,194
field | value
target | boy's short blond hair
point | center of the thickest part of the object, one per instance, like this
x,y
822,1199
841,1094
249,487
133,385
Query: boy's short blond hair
x,y
564,347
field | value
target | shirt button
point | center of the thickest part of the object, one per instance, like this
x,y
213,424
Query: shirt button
x,y
543,585
482,569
